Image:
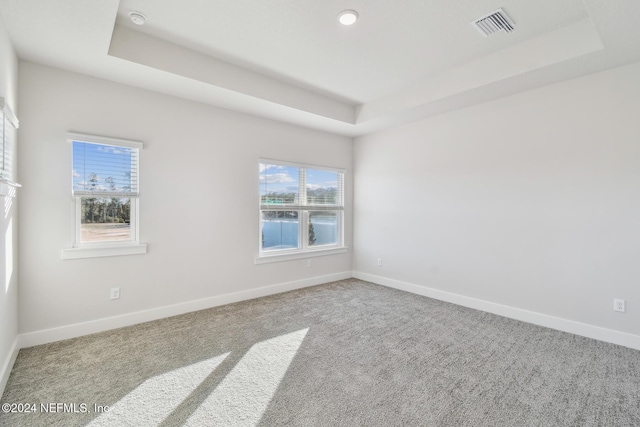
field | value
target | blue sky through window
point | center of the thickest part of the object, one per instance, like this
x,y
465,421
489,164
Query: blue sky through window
x,y
278,179
321,180
111,165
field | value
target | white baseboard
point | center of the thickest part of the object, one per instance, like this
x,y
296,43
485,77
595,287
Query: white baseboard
x,y
7,364
85,328
565,325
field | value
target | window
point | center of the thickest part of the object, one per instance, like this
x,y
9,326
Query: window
x,y
8,126
105,175
301,210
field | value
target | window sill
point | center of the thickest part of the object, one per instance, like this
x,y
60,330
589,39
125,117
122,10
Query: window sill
x,y
264,259
104,251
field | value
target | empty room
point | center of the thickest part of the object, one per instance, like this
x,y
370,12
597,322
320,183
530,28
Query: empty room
x,y
319,213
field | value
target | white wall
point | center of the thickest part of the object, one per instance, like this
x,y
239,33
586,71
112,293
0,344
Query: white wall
x,y
8,225
198,206
530,201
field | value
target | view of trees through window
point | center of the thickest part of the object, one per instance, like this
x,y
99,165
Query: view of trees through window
x,y
105,219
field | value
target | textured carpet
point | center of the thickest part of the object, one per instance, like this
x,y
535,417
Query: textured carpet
x,y
346,353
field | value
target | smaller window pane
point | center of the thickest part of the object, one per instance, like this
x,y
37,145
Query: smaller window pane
x,y
280,230
323,228
105,219
279,184
322,187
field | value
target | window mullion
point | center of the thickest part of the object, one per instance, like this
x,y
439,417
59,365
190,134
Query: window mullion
x,y
303,214
304,228
302,186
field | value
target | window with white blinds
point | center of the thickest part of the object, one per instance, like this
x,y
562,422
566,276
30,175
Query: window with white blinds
x,y
301,208
105,177
101,170
8,126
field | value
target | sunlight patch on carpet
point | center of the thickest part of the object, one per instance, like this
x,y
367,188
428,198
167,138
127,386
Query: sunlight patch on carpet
x,y
153,400
243,395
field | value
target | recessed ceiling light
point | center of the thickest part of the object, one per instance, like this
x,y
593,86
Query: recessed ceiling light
x,y
348,17
137,17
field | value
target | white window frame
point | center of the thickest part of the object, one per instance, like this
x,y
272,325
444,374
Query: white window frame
x,y
100,249
9,125
304,250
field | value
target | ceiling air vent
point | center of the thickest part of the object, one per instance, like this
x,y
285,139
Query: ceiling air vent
x,y
493,22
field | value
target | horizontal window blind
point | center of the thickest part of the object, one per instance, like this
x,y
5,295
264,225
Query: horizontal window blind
x,y
287,187
3,133
103,170
8,126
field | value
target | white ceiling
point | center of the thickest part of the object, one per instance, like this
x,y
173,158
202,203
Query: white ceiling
x,y
290,60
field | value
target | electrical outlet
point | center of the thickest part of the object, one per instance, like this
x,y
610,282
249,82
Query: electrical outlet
x,y
379,262
618,305
308,263
115,293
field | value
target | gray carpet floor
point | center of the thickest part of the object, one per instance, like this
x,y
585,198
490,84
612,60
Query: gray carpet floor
x,y
348,353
